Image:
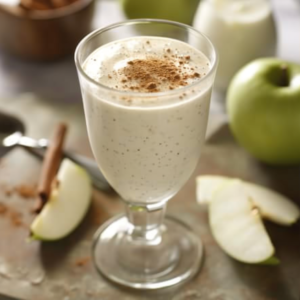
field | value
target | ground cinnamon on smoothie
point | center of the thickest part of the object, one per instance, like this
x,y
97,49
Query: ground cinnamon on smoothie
x,y
147,75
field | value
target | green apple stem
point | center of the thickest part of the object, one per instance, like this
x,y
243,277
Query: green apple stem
x,y
146,222
284,78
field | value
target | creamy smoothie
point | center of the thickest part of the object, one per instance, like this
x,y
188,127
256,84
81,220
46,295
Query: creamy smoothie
x,y
148,123
241,30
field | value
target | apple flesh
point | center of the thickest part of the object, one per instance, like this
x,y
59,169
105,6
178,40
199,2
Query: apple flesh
x,y
67,204
263,104
236,225
272,205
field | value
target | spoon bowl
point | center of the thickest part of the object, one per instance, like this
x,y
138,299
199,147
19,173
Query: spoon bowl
x,y
9,125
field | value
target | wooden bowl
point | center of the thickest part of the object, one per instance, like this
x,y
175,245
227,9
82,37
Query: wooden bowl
x,y
47,34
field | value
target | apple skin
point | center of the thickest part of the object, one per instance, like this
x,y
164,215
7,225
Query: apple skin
x,y
264,116
176,10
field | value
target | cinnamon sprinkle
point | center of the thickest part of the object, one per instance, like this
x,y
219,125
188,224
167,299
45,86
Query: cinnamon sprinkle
x,y
8,192
151,86
14,216
147,74
26,191
82,261
3,209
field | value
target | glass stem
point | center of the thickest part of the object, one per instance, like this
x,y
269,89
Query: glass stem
x,y
146,222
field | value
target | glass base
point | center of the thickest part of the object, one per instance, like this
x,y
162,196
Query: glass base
x,y
172,258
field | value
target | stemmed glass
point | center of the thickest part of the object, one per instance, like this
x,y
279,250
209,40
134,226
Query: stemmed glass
x,y
147,145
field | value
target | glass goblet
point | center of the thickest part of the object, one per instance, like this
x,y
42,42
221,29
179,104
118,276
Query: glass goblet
x,y
147,145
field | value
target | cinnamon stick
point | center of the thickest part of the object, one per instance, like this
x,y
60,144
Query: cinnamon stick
x,y
50,165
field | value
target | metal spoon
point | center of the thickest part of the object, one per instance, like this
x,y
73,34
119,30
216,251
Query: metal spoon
x,y
12,135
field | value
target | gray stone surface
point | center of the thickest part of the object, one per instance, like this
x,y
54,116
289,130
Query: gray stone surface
x,y
42,94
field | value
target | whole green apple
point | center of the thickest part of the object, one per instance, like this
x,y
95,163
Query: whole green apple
x,y
263,104
176,10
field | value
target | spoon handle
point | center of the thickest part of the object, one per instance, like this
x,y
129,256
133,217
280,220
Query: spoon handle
x,y
28,142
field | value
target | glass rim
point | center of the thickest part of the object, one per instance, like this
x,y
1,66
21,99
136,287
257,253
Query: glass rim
x,y
143,94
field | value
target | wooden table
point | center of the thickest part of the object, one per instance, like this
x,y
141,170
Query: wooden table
x,y
43,94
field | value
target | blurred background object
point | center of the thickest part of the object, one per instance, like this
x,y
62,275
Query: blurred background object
x,y
44,29
175,10
241,30
57,82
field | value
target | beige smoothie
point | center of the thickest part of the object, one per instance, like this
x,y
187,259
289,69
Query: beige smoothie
x,y
147,125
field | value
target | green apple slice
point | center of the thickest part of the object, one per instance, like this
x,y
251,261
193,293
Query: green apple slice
x,y
237,226
67,204
272,205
